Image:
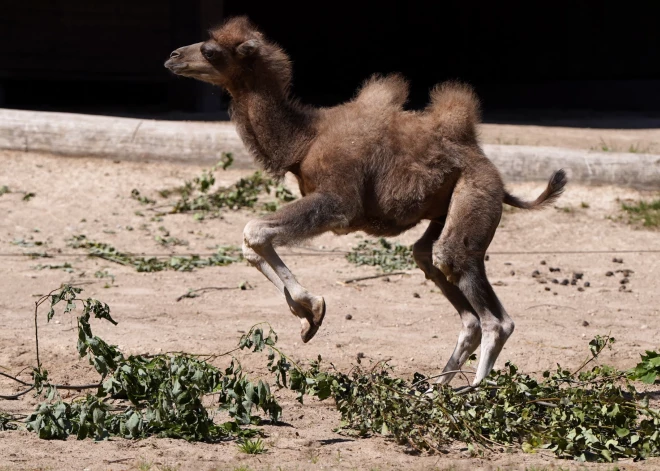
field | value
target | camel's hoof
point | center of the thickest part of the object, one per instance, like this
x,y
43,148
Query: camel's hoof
x,y
308,331
312,321
318,310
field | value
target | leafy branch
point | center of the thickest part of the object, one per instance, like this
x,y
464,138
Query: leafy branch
x,y
588,414
143,395
594,415
223,256
199,196
382,253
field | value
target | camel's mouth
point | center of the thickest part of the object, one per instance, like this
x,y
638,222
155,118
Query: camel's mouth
x,y
176,67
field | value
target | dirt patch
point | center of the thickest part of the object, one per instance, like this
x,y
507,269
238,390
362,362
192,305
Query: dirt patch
x,y
404,317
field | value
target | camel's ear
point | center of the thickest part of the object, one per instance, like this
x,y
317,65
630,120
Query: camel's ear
x,y
248,48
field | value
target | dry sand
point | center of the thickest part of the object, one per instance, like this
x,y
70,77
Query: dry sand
x,y
92,197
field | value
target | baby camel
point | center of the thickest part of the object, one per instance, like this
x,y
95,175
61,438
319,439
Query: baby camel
x,y
368,165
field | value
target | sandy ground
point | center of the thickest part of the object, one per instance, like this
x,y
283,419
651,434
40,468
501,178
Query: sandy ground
x,y
405,319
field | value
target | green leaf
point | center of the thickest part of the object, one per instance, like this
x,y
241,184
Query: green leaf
x,y
649,378
622,432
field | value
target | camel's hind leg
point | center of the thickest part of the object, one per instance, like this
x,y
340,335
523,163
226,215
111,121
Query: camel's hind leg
x,y
473,217
470,335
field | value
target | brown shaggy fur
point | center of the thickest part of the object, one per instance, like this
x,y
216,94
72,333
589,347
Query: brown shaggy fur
x,y
368,165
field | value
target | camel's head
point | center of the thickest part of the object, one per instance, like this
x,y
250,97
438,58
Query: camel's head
x,y
234,57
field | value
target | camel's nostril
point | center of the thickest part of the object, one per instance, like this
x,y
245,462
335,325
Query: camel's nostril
x,y
175,54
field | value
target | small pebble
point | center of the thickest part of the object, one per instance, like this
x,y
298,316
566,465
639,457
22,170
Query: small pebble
x,y
585,324
555,280
487,257
573,282
552,269
349,317
609,273
507,263
416,295
536,273
622,288
547,288
338,345
555,293
580,288
565,282
587,284
434,337
624,281
542,262
617,260
512,273
386,279
578,276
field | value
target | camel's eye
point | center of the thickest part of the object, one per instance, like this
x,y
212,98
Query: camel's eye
x,y
209,52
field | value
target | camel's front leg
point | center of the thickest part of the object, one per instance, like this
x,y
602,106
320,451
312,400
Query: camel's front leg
x,y
260,264
302,219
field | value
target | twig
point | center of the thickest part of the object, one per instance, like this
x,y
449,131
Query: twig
x,y
75,387
13,397
117,461
14,378
593,356
441,375
69,387
202,290
550,305
362,278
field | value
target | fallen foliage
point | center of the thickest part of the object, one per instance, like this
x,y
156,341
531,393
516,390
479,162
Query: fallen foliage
x,y
223,256
382,253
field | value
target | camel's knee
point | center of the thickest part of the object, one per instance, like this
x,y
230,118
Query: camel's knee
x,y
447,264
501,329
471,325
255,235
250,255
507,326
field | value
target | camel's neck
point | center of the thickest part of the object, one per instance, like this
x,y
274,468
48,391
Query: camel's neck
x,y
275,130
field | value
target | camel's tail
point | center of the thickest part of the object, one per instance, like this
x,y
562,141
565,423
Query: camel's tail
x,y
553,191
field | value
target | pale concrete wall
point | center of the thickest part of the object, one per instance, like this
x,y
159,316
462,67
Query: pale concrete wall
x,y
202,143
